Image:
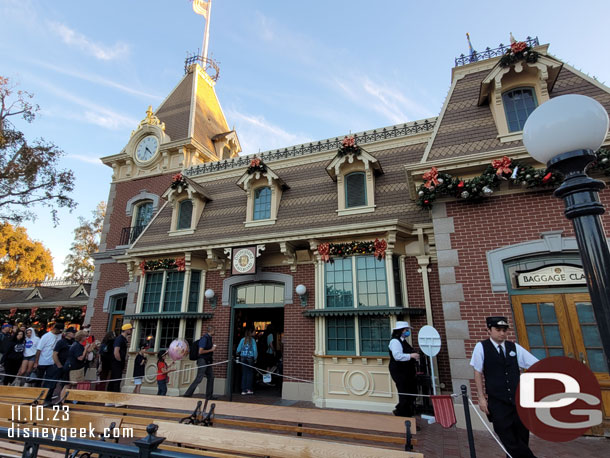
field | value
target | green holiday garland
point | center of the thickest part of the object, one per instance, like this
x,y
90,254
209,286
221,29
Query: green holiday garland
x,y
41,315
162,264
439,184
519,50
376,248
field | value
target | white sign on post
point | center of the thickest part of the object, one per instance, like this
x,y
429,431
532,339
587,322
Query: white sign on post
x,y
429,341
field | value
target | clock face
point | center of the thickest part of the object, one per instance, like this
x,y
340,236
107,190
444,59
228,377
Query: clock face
x,y
147,148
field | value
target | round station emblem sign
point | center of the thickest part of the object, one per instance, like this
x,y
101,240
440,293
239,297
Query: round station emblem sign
x,y
243,260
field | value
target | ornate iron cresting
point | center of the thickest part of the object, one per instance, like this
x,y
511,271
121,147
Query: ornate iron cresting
x,y
489,53
146,447
210,65
323,145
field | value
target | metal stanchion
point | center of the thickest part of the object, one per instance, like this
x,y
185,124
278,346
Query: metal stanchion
x,y
473,453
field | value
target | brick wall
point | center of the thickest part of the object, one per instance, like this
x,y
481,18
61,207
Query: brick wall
x,y
125,191
493,223
111,276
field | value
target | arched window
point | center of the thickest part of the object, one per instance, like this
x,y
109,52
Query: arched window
x,y
144,213
355,190
185,214
518,105
262,203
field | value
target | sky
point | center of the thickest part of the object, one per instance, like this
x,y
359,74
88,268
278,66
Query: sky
x,y
290,72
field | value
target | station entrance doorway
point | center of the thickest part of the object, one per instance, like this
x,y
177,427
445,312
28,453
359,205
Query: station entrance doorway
x,y
259,307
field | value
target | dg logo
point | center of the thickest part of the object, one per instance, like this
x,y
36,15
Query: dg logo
x,y
558,399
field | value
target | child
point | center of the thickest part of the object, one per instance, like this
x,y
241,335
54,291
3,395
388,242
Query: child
x,y
139,367
162,370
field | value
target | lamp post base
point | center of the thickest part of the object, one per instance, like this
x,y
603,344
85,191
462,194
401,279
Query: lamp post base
x,y
582,205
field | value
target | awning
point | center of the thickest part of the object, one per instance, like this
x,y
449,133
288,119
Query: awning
x,y
365,311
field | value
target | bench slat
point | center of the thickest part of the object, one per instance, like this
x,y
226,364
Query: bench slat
x,y
271,445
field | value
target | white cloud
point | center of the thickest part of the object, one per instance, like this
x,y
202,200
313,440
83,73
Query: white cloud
x,y
87,159
97,50
257,134
266,27
383,98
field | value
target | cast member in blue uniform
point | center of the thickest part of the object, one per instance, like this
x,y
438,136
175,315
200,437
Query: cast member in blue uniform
x,y
499,361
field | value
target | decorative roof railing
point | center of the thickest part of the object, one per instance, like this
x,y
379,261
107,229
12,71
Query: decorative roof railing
x,y
489,53
51,282
329,144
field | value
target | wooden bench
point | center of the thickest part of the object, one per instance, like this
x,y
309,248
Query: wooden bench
x,y
22,395
139,410
227,443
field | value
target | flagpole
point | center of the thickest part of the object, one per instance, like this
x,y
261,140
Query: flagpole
x,y
206,35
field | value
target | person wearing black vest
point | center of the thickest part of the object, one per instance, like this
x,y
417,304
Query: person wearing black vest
x,y
402,368
499,360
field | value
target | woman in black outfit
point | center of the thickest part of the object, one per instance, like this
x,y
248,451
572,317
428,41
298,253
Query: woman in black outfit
x,y
106,350
14,356
403,360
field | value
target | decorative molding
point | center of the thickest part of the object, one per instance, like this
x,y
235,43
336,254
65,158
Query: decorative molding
x,y
272,277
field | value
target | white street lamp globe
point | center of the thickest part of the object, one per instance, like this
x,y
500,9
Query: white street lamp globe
x,y
209,294
300,290
563,124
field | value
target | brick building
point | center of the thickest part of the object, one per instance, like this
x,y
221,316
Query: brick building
x,y
248,229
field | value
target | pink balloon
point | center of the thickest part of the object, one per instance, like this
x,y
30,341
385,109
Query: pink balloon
x,y
178,349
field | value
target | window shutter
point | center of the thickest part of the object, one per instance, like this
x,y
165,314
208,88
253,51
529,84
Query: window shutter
x,y
355,190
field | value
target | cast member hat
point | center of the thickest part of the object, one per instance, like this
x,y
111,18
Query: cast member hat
x,y
70,329
126,327
401,325
497,322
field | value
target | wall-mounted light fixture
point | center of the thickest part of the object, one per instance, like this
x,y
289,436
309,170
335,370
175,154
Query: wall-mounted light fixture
x,y
301,291
210,295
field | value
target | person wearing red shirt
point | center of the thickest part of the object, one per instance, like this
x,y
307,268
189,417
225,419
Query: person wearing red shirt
x,y
162,373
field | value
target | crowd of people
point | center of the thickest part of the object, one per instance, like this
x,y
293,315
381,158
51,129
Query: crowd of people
x,y
61,357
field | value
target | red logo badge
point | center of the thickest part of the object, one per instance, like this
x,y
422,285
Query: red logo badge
x,y
558,399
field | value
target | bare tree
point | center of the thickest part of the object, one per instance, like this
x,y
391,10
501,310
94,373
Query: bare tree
x,y
29,172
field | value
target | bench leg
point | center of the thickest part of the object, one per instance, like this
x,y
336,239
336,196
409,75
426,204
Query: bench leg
x,y
30,450
209,418
408,444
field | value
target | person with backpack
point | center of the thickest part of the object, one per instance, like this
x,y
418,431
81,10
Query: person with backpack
x,y
247,354
204,364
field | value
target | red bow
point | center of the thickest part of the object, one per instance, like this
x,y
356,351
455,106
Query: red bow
x,y
143,267
324,250
180,263
502,166
547,177
255,162
518,46
57,310
380,247
348,142
33,312
431,177
12,312
84,309
177,177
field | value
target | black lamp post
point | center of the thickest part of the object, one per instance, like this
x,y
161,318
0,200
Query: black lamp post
x,y
564,133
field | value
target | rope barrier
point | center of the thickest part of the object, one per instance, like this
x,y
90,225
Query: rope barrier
x,y
487,427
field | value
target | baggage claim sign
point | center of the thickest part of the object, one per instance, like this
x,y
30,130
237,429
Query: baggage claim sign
x,y
552,276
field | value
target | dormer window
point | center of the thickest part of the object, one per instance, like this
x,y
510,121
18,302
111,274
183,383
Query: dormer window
x,y
355,190
188,200
518,105
354,170
185,214
264,189
262,203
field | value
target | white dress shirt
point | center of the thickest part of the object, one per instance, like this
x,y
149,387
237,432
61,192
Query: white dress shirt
x,y
524,358
396,349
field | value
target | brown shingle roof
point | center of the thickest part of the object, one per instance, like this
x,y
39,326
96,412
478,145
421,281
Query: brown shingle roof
x,y
17,296
311,202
